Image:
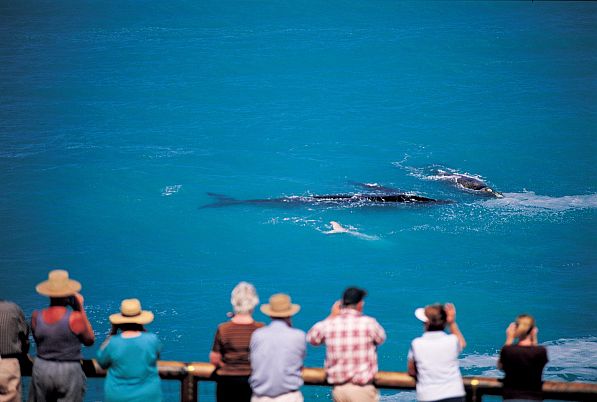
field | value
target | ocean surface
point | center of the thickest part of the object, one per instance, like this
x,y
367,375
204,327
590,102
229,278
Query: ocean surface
x,y
117,118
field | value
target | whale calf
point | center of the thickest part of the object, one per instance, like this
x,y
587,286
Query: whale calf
x,y
358,199
336,228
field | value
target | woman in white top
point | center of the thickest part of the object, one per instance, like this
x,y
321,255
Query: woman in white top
x,y
433,357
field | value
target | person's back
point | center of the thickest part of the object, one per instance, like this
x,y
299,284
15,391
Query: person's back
x,y
433,357
59,333
523,362
277,353
232,341
133,374
523,366
54,337
359,344
351,340
131,357
230,349
14,344
438,372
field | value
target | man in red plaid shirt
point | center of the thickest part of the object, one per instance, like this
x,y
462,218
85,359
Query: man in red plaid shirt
x,y
351,339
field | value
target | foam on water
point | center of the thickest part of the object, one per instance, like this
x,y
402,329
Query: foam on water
x,y
569,359
530,203
170,190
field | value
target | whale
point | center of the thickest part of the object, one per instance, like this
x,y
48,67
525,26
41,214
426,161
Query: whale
x,y
337,228
468,183
357,199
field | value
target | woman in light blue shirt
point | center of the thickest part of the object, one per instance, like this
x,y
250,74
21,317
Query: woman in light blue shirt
x,y
131,357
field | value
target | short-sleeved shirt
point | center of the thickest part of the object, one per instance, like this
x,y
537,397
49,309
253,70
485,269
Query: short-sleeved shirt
x,y
232,342
277,354
523,366
351,340
132,368
438,373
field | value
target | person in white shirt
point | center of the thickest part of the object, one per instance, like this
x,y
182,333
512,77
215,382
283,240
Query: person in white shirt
x,y
433,357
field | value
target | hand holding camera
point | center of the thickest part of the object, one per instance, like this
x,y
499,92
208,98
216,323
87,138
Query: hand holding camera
x,y
76,302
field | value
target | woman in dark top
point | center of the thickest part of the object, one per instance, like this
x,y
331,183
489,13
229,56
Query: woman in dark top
x,y
522,362
230,350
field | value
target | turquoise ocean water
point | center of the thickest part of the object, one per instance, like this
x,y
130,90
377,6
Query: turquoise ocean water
x,y
117,119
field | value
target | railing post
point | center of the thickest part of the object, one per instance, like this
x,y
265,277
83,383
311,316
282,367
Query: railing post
x,y
188,386
474,395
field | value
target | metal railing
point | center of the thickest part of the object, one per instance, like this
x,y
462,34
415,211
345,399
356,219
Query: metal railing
x,y
190,374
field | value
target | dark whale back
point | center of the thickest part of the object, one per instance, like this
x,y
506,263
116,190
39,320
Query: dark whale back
x,y
471,183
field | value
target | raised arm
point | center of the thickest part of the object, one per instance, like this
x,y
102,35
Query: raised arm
x,y
79,323
451,321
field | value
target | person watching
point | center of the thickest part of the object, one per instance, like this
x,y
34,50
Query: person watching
x,y
277,354
433,357
351,340
230,350
522,362
59,332
14,345
130,354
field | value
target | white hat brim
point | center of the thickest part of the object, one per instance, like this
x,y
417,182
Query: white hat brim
x,y
420,314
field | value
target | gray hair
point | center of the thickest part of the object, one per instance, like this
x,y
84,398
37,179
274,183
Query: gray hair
x,y
244,298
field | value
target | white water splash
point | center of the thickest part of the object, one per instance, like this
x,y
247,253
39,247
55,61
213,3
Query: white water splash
x,y
568,359
170,190
531,203
404,396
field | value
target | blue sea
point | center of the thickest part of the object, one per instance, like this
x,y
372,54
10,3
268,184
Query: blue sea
x,y
117,118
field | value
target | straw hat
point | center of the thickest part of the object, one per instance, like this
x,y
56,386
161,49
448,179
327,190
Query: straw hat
x,y
131,313
58,285
280,306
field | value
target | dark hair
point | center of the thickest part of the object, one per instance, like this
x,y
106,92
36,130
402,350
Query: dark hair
x,y
436,316
352,296
130,327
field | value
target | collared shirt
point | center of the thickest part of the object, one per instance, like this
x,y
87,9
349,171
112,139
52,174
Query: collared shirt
x,y
436,359
351,340
277,354
14,332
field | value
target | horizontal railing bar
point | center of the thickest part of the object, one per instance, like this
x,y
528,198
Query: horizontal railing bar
x,y
201,371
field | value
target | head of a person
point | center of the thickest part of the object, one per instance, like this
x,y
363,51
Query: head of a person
x,y
244,298
280,307
524,326
353,297
131,317
59,288
433,316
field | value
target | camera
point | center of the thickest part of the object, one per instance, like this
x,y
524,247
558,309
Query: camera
x,y
72,301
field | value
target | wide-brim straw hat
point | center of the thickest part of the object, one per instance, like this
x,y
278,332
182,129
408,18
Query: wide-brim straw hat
x,y
58,285
131,313
280,306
